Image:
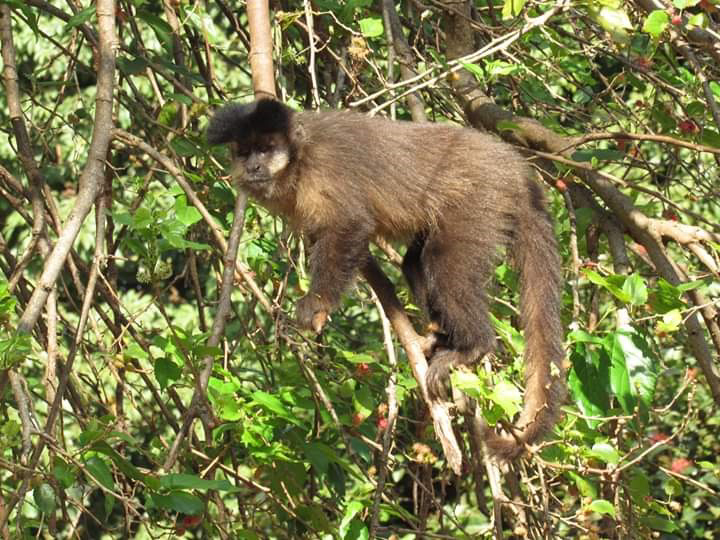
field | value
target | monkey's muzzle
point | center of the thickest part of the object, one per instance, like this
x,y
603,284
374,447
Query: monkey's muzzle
x,y
256,179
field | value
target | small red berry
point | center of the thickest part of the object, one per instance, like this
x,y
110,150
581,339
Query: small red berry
x,y
678,465
688,126
362,370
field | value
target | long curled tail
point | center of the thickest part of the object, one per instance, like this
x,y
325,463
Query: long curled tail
x,y
539,265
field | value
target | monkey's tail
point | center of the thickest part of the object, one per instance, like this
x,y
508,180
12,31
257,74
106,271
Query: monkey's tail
x,y
539,265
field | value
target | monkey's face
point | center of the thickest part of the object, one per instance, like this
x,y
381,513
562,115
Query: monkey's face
x,y
258,160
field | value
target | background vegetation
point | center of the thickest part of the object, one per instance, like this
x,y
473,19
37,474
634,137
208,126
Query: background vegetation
x,y
141,398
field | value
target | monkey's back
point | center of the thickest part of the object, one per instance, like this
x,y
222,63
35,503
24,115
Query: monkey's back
x,y
409,176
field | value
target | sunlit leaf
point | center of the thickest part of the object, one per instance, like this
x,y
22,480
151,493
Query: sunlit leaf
x,y
656,22
371,27
601,506
44,497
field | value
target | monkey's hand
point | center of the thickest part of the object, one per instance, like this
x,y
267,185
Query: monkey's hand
x,y
312,312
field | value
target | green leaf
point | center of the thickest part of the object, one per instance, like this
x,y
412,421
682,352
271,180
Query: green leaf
x,y
659,524
614,20
44,497
133,66
108,504
619,377
135,352
599,154
355,358
191,481
715,88
142,219
317,454
179,501
363,400
670,322
665,297
507,396
476,70
587,488
512,8
589,381
81,17
168,113
166,371
656,23
698,19
270,402
187,215
609,284
273,404
127,468
632,357
690,285
636,290
469,383
14,350
509,335
227,406
601,506
710,137
350,512
371,27
184,147
314,515
162,29
100,471
639,486
684,4
246,534
605,452
64,473
500,68
672,487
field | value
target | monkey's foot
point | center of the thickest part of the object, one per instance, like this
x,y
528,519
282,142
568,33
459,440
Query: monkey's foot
x,y
438,375
311,312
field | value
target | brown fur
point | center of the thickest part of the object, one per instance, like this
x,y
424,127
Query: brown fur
x,y
455,195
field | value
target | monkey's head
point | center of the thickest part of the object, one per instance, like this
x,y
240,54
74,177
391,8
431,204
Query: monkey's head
x,y
260,135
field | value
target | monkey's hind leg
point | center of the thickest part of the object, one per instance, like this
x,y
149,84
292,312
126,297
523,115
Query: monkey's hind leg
x,y
457,271
434,337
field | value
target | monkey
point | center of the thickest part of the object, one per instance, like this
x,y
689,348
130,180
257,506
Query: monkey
x,y
453,195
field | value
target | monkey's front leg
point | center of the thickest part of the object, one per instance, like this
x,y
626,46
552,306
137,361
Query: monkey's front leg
x,y
335,256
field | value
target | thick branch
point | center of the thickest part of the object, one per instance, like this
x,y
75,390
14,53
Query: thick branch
x,y
92,177
261,62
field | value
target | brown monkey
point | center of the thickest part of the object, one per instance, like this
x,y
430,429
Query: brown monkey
x,y
455,195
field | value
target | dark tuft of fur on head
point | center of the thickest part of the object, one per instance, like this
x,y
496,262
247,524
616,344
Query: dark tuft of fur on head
x,y
237,121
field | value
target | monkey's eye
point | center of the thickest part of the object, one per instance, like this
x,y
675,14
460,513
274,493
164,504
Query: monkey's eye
x,y
242,151
266,148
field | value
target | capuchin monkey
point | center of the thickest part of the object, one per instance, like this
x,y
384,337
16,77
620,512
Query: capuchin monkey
x,y
454,195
